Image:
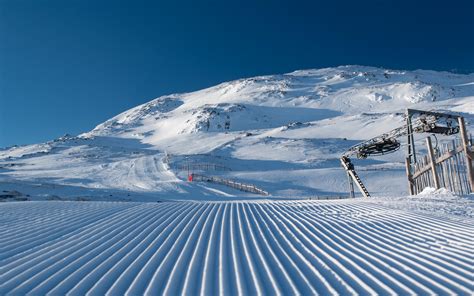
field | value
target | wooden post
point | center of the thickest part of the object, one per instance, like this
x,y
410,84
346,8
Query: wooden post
x,y
410,179
455,169
415,180
433,162
467,152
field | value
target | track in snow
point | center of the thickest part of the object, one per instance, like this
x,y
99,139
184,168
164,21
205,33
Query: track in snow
x,y
308,247
141,173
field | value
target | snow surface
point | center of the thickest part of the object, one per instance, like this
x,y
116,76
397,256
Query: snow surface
x,y
92,224
283,133
346,247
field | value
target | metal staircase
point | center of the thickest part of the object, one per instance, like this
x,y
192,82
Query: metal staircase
x,y
353,177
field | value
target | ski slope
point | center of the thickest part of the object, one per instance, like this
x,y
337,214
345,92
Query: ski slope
x,y
284,133
343,247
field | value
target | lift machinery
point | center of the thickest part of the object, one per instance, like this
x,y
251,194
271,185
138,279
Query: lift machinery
x,y
417,121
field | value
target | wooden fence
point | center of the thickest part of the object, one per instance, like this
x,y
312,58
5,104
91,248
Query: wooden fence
x,y
448,166
327,197
230,183
202,167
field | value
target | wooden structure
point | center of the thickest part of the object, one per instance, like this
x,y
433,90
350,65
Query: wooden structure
x,y
449,166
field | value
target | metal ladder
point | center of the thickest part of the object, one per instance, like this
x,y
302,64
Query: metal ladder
x,y
346,163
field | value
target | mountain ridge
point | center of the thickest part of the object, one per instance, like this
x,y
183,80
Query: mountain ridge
x,y
282,132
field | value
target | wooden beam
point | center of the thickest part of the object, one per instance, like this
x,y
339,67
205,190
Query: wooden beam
x,y
449,154
432,162
421,170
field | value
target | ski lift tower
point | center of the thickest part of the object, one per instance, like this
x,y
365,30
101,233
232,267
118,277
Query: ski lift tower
x,y
417,121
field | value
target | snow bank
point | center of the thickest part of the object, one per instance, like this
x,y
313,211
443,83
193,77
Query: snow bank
x,y
430,192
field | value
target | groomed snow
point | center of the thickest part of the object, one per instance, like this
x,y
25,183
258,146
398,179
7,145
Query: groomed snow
x,y
92,224
261,247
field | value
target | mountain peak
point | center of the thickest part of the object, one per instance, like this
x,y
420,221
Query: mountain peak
x,y
282,132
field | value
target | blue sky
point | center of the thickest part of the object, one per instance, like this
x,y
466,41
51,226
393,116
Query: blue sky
x,y
66,66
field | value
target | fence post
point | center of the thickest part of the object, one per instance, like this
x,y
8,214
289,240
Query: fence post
x,y
433,162
467,152
410,179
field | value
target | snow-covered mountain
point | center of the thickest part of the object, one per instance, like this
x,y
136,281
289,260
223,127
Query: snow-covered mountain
x,y
283,133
